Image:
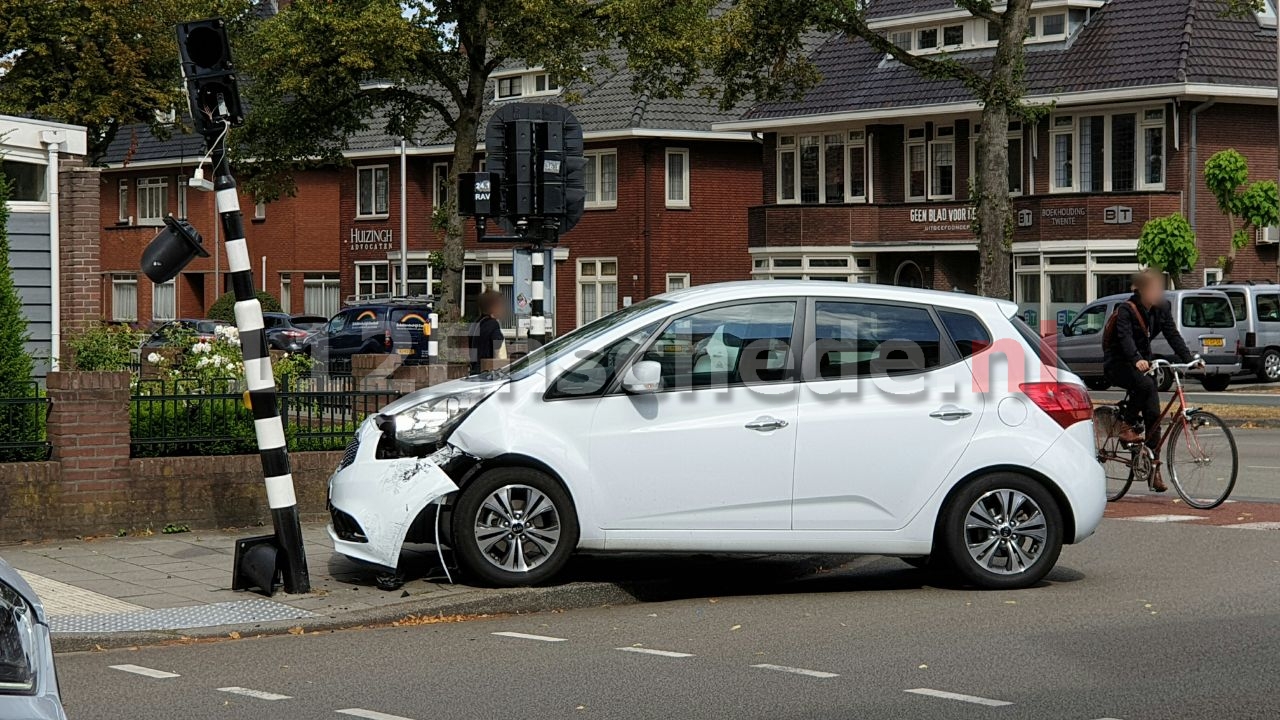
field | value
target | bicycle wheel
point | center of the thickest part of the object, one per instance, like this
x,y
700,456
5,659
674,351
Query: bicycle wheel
x,y
1202,460
1115,460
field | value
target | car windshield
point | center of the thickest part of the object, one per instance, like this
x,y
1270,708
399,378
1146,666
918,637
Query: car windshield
x,y
1202,311
571,342
208,327
1239,305
17,642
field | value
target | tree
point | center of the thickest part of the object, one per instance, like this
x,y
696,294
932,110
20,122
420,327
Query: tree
x,y
103,64
323,71
224,308
15,363
759,50
1169,244
1245,207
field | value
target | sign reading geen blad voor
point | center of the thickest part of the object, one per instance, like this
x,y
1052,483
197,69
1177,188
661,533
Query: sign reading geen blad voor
x,y
944,219
366,239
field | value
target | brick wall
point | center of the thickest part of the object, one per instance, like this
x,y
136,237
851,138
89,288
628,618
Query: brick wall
x,y
79,247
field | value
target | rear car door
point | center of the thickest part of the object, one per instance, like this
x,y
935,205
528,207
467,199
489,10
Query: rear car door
x,y
886,410
1208,327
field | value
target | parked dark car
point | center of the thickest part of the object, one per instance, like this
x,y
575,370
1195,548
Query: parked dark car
x,y
392,326
28,681
289,333
175,332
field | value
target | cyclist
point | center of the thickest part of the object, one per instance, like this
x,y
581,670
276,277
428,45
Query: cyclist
x,y
1126,348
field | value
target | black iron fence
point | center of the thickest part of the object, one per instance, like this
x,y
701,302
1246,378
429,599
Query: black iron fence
x,y
202,417
23,412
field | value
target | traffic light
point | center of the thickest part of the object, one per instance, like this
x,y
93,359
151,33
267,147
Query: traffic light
x,y
209,75
171,250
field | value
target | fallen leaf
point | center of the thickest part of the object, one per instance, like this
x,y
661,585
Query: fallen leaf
x,y
1147,606
581,707
233,635
296,630
924,667
735,627
713,601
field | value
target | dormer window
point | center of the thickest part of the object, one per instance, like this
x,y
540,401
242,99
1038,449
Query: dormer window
x,y
1267,14
526,84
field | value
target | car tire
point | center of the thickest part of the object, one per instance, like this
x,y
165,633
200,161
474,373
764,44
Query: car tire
x,y
1215,383
1164,380
1097,385
498,543
1269,366
991,552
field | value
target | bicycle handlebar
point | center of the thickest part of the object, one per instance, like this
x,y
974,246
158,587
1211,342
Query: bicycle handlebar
x,y
1196,363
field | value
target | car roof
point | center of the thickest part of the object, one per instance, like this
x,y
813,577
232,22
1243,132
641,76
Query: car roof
x,y
1265,287
1169,294
10,577
724,292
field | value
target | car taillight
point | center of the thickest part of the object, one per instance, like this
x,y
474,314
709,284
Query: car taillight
x,y
1066,403
294,333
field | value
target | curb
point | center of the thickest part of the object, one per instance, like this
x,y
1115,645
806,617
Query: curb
x,y
513,601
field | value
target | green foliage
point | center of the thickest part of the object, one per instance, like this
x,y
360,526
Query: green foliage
x,y
99,63
1169,244
103,347
1246,207
15,363
224,308
175,528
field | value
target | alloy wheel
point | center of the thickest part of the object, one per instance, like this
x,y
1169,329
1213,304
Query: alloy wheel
x,y
517,528
1005,532
1271,366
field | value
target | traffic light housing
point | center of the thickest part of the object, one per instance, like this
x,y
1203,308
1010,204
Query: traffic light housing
x,y
172,250
209,75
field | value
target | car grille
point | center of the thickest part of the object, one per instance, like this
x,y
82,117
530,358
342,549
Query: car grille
x,y
349,455
346,527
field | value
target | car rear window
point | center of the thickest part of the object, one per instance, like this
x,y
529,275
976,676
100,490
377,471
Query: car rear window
x,y
1041,345
1199,311
412,320
1239,304
208,327
967,332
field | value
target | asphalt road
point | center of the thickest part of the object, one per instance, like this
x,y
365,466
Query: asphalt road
x,y
1145,620
1258,474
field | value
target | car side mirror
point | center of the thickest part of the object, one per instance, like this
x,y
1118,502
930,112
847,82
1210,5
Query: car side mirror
x,y
643,378
1067,331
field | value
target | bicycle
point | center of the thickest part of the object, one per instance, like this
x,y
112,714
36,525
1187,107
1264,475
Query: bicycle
x,y
1201,455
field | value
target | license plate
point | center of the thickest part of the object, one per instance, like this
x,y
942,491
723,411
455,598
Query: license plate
x,y
1212,342
409,351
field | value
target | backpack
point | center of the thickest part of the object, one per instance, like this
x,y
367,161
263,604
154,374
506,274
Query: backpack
x,y
1109,330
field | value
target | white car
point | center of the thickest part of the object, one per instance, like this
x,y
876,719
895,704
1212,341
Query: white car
x,y
796,417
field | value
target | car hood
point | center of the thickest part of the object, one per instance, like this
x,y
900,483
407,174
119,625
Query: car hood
x,y
475,382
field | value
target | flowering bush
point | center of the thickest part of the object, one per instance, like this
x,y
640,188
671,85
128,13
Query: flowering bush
x,y
218,365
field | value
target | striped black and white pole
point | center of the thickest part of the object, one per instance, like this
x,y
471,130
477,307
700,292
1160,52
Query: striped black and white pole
x,y
262,388
433,345
537,321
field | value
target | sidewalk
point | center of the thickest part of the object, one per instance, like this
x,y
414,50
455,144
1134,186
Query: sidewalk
x,y
118,591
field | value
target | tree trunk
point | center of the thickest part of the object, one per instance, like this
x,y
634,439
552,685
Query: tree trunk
x,y
454,251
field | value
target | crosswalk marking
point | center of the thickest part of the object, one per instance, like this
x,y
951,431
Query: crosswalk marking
x,y
259,694
796,670
1164,518
651,651
145,671
370,714
1255,526
957,696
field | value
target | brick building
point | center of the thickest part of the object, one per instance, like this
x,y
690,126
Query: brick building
x,y
666,207
866,178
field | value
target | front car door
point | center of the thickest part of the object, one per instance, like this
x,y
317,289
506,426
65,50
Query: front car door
x,y
886,410
712,450
1080,341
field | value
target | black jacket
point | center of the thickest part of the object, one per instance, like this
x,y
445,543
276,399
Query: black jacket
x,y
1131,344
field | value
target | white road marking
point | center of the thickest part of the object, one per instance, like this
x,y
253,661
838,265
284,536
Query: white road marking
x,y
651,651
259,694
525,636
1263,467
1256,526
370,714
146,671
957,696
796,670
1164,518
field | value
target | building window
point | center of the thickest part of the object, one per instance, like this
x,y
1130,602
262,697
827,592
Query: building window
x,y
601,175
372,191
1063,144
902,38
124,298
182,196
1153,149
122,199
260,210
942,164
439,185
26,181
525,85
857,183
422,280
164,301
953,35
916,164
321,295
483,275
153,195
677,178
677,281
1053,26
1213,276
1052,288
597,288
1014,144
790,266
372,280
1117,152
829,168
510,86
927,39
286,293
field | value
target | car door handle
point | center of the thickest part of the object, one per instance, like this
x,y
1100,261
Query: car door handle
x,y
951,413
765,424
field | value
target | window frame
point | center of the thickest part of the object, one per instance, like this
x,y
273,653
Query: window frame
x,y
123,280
947,354
683,277
372,171
148,188
598,169
124,217
1140,149
597,279
1011,135
260,210
181,189
373,281
909,142
439,183
677,203
172,286
939,140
